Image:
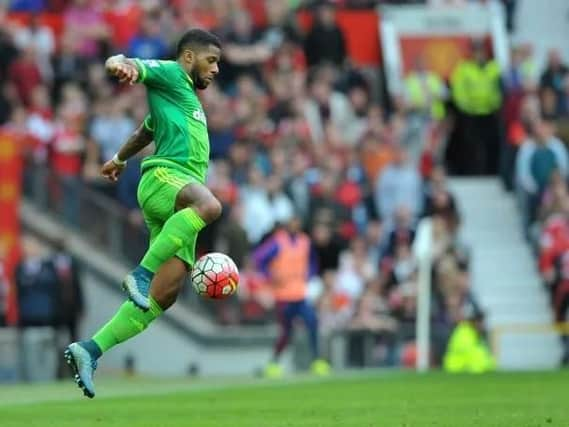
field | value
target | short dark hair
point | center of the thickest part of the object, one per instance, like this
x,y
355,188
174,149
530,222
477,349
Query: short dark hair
x,y
197,38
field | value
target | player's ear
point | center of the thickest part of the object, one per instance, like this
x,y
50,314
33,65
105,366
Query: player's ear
x,y
188,56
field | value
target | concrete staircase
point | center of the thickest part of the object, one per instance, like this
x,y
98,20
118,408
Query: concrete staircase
x,y
504,276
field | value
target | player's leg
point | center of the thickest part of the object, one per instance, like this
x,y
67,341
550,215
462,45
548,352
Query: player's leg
x,y
308,314
128,322
285,312
194,207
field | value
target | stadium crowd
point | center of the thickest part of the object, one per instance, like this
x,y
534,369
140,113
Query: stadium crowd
x,y
296,128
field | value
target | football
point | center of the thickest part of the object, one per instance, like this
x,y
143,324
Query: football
x,y
215,276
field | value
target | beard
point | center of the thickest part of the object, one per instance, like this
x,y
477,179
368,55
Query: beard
x,y
199,82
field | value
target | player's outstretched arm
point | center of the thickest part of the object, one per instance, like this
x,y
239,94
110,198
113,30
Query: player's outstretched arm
x,y
141,137
122,67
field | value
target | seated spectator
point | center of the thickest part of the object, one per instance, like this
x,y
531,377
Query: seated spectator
x,y
355,270
402,232
372,311
553,197
25,74
335,310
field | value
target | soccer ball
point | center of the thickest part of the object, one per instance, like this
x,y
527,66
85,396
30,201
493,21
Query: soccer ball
x,y
215,276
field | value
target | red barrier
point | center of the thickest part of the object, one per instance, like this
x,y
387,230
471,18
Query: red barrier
x,y
10,194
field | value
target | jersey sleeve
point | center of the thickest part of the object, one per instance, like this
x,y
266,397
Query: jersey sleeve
x,y
157,73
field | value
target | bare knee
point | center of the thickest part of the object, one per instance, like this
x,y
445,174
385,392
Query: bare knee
x,y
209,210
199,198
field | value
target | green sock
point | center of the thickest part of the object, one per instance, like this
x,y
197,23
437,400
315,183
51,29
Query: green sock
x,y
126,323
177,232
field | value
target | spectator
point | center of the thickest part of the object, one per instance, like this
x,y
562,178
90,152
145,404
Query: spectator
x,y
328,107
68,146
398,185
554,74
355,270
40,38
25,74
68,65
258,218
244,50
70,301
110,127
8,50
424,92
537,159
325,44
36,285
401,232
85,23
148,43
255,295
324,207
517,81
297,187
232,237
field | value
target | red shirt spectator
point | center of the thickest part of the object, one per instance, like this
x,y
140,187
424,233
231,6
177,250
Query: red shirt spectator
x,y
554,241
25,74
67,149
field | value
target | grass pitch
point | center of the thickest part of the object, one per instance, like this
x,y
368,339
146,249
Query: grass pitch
x,y
362,399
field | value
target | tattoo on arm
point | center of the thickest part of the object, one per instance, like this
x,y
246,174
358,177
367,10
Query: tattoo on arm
x,y
136,142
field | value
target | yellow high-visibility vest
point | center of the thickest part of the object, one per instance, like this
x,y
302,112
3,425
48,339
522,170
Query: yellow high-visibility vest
x,y
417,98
467,351
476,89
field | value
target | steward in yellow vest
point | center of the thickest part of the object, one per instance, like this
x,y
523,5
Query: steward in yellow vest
x,y
467,351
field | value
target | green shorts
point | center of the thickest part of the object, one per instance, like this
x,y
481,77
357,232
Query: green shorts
x,y
157,192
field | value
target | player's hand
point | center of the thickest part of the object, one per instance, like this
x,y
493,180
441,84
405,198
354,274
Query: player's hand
x,y
126,73
111,171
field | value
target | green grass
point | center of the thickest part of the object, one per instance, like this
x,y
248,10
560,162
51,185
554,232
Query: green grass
x,y
365,399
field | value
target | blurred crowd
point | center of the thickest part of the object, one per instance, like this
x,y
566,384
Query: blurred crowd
x,y
296,128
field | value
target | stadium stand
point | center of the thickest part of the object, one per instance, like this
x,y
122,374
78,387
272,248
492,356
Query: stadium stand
x,y
298,124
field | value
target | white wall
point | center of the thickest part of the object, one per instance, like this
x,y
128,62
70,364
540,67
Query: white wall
x,y
544,24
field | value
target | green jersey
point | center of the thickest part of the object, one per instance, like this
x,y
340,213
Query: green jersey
x,y
176,118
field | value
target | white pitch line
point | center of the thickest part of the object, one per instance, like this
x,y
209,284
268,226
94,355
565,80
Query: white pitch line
x,y
68,391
